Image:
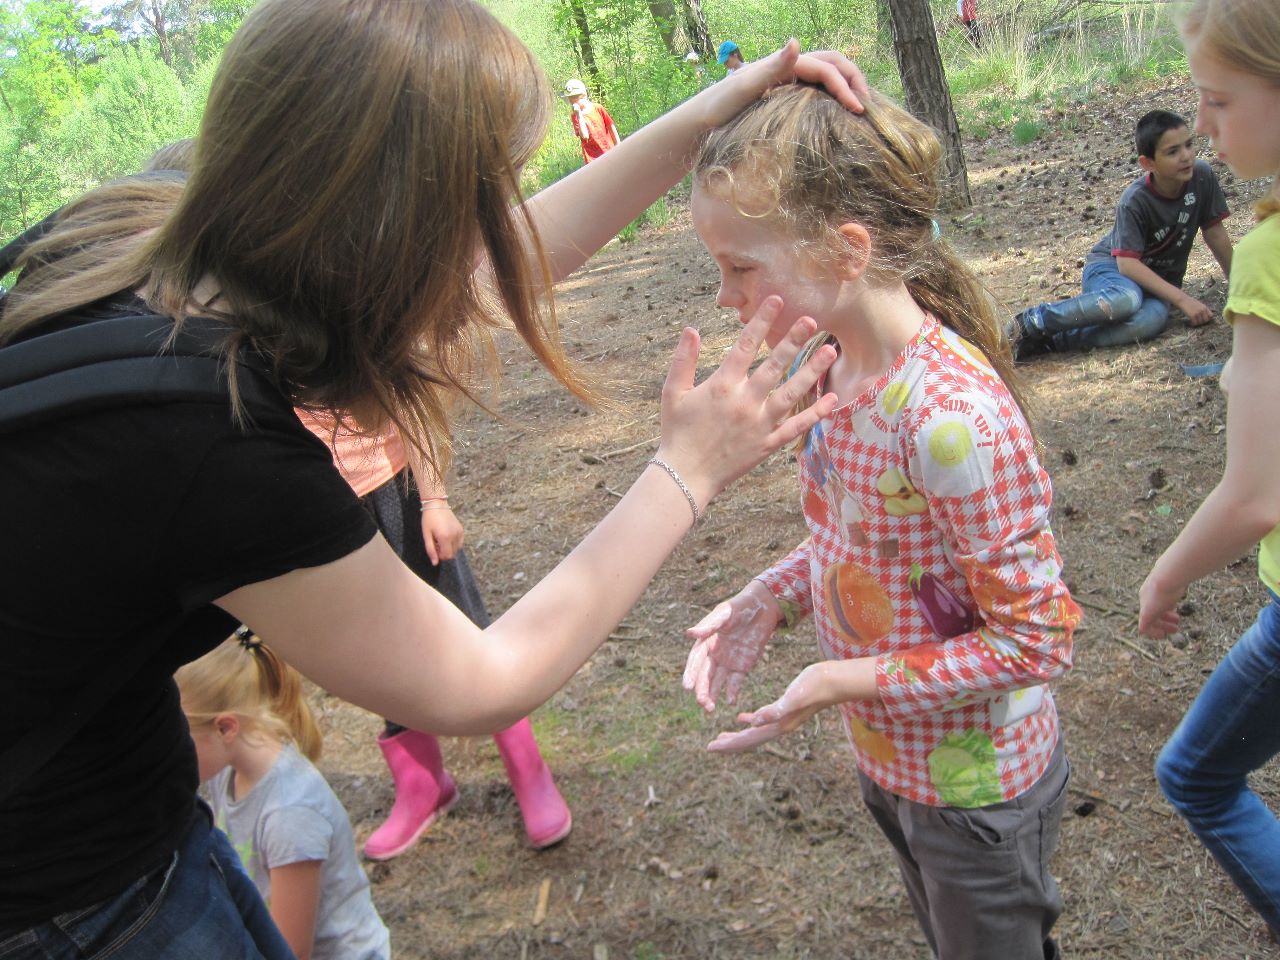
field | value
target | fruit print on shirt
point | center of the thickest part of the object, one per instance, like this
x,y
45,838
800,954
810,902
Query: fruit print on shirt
x,y
930,551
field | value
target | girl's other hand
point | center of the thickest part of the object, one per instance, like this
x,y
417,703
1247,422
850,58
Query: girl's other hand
x,y
1157,613
715,432
728,642
442,531
807,694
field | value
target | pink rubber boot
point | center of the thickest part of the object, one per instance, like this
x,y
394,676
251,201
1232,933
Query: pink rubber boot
x,y
423,792
547,819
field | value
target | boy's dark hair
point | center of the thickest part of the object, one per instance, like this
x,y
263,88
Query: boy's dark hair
x,y
1152,127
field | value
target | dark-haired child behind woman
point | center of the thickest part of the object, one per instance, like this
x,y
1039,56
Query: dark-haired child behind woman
x,y
411,508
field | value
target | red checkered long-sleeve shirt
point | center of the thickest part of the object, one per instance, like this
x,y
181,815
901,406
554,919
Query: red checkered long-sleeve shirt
x,y
930,549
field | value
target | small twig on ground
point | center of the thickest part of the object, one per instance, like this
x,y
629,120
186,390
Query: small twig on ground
x,y
544,894
627,637
1135,647
602,457
1229,915
1088,794
1101,608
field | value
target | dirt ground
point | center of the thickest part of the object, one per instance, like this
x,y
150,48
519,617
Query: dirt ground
x,y
676,853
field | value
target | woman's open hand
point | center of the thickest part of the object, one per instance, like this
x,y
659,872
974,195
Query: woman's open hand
x,y
716,431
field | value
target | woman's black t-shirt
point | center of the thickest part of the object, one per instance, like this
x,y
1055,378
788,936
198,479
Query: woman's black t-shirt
x,y
114,522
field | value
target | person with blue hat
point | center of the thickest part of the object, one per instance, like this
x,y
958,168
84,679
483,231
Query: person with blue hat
x,y
729,56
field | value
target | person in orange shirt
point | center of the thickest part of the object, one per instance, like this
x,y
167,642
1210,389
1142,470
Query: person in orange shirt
x,y
413,514
591,122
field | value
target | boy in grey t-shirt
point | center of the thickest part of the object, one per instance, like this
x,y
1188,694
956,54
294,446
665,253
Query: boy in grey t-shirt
x,y
1133,275
291,816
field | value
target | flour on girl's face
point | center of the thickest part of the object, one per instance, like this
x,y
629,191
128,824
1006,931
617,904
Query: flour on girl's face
x,y
758,259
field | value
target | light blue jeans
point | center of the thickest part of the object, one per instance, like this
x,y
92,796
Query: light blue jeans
x,y
201,906
1232,729
1111,311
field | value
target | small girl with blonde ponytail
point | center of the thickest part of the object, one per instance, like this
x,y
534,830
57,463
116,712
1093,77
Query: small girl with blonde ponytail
x,y
930,568
255,739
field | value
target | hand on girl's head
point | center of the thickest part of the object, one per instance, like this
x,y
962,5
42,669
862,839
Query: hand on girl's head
x,y
826,68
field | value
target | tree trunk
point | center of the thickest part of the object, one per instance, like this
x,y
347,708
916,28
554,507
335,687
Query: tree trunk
x,y
924,84
582,37
695,24
664,18
160,27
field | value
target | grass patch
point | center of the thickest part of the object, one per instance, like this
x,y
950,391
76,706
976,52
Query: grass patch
x,y
1024,131
1026,63
657,215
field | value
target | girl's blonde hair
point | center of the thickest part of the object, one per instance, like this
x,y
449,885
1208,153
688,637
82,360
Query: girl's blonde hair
x,y
178,155
357,159
801,159
243,676
1245,34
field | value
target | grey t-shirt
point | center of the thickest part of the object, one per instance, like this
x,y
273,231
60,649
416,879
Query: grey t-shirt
x,y
1160,230
290,816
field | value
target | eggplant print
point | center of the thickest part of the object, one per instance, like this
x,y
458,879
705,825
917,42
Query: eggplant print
x,y
940,607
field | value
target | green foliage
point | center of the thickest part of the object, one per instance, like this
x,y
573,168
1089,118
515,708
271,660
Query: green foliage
x,y
1030,57
657,215
86,97
138,105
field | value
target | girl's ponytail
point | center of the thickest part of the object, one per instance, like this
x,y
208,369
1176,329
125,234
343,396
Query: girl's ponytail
x,y
283,688
245,677
942,283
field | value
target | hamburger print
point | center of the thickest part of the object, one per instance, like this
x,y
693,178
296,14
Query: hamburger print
x,y
857,604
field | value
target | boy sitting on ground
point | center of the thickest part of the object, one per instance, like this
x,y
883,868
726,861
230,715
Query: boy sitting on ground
x,y
1133,275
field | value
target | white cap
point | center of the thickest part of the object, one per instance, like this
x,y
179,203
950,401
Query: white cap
x,y
574,88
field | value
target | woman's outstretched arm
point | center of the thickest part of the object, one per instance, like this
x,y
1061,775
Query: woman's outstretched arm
x,y
368,630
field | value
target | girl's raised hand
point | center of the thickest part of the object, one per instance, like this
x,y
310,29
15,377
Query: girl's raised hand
x,y
728,642
806,695
715,432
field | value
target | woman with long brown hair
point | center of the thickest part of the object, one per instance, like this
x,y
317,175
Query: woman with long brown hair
x,y
347,237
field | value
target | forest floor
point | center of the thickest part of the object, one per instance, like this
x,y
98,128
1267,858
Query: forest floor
x,y
676,853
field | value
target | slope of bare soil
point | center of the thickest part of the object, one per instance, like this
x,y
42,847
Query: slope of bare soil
x,y
676,853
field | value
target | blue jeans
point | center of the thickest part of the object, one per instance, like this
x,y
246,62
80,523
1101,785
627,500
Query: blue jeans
x,y
200,906
1232,729
1111,311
